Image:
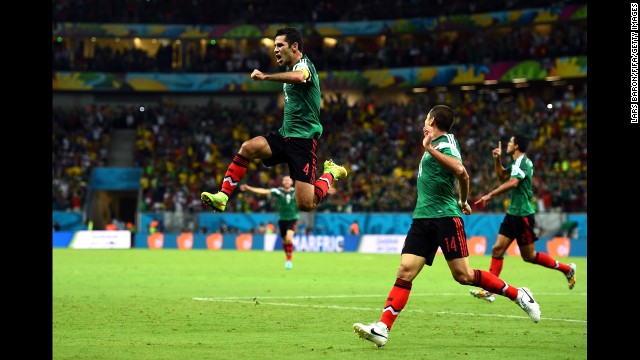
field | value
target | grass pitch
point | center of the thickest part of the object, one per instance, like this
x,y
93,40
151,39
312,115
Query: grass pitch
x,y
199,304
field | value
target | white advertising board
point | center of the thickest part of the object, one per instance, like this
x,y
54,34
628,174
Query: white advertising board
x,y
381,244
102,239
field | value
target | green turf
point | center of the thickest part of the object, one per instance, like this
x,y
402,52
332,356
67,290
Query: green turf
x,y
199,304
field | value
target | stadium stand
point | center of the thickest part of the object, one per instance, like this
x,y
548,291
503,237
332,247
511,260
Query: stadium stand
x,y
175,144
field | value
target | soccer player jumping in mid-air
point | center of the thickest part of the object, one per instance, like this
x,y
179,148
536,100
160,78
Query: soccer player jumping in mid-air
x,y
437,222
296,142
519,220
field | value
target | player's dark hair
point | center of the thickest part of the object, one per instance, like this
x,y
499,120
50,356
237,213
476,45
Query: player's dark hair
x,y
292,35
444,116
522,142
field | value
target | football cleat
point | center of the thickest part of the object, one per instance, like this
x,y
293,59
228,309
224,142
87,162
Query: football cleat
x,y
217,201
483,294
571,276
334,169
526,301
377,333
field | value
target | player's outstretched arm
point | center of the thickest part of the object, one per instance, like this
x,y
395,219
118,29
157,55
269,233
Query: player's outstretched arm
x,y
289,77
512,183
257,190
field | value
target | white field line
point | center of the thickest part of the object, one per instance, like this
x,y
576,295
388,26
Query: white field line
x,y
352,296
258,300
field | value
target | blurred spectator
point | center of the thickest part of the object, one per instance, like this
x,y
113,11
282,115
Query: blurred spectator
x,y
354,228
270,228
223,228
153,227
131,227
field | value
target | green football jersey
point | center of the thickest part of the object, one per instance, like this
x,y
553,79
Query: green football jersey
x,y
436,184
286,205
302,105
522,194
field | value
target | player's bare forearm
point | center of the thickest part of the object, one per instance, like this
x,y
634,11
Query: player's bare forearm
x,y
260,191
507,186
463,185
463,190
501,174
510,184
289,77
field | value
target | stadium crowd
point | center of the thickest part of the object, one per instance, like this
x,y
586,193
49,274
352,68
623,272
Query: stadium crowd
x,y
273,11
472,45
80,142
185,149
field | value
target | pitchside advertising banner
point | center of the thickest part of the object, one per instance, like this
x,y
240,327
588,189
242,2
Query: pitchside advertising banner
x,y
101,239
477,245
245,242
558,246
560,234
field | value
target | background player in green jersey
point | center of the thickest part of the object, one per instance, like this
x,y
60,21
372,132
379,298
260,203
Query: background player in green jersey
x,y
288,215
287,212
296,142
437,222
519,221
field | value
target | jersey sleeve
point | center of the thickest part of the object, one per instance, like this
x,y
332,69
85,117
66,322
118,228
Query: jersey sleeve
x,y
449,149
516,172
302,66
278,192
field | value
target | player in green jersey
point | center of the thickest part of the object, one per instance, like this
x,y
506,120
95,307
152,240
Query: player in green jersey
x,y
437,223
296,142
287,212
519,221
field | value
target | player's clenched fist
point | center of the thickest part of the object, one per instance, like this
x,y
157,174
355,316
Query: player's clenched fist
x,y
257,75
